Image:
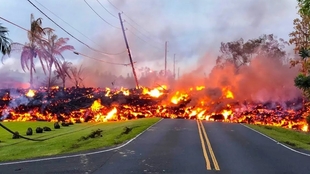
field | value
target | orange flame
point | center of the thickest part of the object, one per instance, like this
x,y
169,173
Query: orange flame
x,y
30,93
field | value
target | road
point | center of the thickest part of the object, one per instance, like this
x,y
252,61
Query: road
x,y
181,146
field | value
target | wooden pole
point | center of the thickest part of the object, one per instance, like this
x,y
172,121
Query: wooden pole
x,y
129,53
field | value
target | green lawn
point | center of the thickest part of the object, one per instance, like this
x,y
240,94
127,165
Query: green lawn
x,y
65,139
292,138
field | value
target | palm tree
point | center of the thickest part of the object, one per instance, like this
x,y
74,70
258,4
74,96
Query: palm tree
x,y
5,42
55,46
33,49
76,73
63,72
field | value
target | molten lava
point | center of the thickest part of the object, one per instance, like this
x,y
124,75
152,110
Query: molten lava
x,y
101,105
30,93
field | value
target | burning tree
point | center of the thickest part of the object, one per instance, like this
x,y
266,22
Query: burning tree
x,y
33,49
5,42
63,72
55,46
240,53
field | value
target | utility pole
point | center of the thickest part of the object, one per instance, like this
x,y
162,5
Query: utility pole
x,y
166,59
129,53
174,67
178,72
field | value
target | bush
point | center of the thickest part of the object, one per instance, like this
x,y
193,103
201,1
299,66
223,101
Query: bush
x,y
29,131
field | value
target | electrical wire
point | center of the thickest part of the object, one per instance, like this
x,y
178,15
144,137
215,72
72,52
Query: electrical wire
x,y
132,20
142,39
124,64
67,31
138,30
100,16
77,53
77,29
107,10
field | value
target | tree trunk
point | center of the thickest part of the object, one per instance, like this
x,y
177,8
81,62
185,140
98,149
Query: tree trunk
x,y
49,78
31,73
64,82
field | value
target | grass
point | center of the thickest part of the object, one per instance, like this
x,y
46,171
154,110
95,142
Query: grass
x,y
292,138
66,139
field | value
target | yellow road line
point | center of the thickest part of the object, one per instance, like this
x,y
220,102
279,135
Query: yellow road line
x,y
208,165
216,166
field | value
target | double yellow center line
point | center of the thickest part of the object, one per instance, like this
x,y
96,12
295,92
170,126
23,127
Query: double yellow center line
x,y
207,150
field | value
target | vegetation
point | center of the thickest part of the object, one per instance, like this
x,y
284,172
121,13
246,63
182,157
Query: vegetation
x,y
239,53
33,49
54,49
63,72
301,40
66,139
5,42
292,138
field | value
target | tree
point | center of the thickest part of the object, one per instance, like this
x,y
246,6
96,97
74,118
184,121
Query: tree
x,y
63,72
300,38
33,49
5,42
240,53
304,7
55,46
76,75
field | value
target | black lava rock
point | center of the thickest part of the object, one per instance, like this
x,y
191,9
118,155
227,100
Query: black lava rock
x,y
29,131
56,125
16,135
39,130
45,128
64,124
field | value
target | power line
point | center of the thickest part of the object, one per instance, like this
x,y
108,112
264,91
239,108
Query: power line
x,y
106,9
77,53
138,30
13,24
142,39
130,18
124,64
67,31
76,29
100,16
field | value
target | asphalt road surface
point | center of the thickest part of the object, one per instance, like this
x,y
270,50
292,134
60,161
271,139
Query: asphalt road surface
x,y
180,146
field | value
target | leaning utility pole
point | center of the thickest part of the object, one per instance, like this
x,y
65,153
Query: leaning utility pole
x,y
166,59
128,50
174,67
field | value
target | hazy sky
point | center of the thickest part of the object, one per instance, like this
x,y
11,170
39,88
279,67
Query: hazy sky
x,y
193,28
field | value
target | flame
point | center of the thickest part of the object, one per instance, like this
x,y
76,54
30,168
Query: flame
x,y
228,93
156,92
30,93
178,97
226,113
96,106
188,103
199,88
305,128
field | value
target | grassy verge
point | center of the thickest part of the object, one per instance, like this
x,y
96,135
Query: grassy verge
x,y
66,139
292,138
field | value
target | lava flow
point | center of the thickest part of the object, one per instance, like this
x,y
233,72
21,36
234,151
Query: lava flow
x,y
101,105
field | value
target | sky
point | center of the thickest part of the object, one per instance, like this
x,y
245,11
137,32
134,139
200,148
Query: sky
x,y
192,29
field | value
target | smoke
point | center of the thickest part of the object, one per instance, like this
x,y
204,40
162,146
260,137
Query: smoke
x,y
192,29
17,100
